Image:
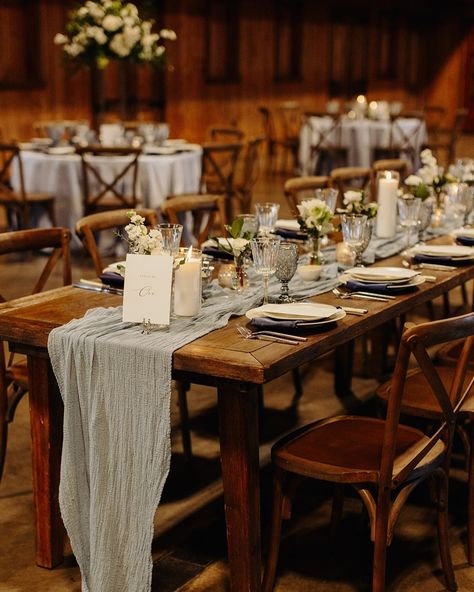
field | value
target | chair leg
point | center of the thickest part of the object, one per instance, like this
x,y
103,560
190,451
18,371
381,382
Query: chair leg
x,y
470,503
275,532
3,445
380,543
336,510
182,388
443,528
298,385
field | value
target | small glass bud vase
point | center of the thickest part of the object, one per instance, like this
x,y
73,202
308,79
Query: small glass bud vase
x,y
240,280
314,247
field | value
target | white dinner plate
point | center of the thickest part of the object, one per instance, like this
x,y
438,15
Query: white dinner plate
x,y
161,150
26,146
295,311
454,251
61,150
382,274
415,281
467,232
288,225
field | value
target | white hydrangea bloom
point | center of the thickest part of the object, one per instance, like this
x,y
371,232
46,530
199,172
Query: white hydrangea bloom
x,y
168,34
112,23
352,197
413,180
119,46
60,39
73,49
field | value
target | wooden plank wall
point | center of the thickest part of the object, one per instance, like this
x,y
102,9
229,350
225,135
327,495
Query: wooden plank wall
x,y
232,57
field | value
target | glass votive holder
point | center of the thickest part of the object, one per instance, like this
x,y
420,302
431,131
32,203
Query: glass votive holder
x,y
187,282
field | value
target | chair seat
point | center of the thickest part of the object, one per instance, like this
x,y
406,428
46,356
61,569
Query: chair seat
x,y
12,198
418,398
348,449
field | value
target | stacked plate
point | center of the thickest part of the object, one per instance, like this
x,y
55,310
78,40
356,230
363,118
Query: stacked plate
x,y
382,279
464,236
442,254
295,315
289,229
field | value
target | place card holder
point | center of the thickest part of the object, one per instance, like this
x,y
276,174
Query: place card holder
x,y
147,290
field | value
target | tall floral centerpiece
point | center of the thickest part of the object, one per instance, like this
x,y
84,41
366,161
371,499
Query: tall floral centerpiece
x,y
315,218
101,31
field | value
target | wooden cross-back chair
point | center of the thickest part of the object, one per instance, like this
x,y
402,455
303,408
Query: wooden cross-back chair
x,y
351,178
100,193
225,133
207,212
406,142
391,164
117,219
13,373
383,460
300,188
18,204
418,402
247,173
327,151
219,161
446,138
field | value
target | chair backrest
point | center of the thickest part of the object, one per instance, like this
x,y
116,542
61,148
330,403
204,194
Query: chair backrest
x,y
267,122
225,133
300,188
391,164
8,154
86,226
289,119
459,120
351,178
325,130
406,138
122,186
57,239
219,161
207,212
415,342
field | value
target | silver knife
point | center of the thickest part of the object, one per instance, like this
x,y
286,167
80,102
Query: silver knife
x,y
276,339
360,296
436,266
106,289
354,311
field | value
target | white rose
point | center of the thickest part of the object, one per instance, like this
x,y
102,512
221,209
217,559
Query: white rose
x,y
352,197
80,38
413,180
149,40
119,46
60,39
82,12
100,36
131,35
159,51
238,245
111,22
168,34
73,49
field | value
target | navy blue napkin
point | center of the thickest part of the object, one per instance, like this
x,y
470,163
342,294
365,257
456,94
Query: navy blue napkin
x,y
217,253
377,288
112,279
441,260
288,325
468,241
294,234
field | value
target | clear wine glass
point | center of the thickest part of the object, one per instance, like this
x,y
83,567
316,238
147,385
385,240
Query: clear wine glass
x,y
329,196
353,231
264,254
454,203
267,215
171,237
287,261
408,214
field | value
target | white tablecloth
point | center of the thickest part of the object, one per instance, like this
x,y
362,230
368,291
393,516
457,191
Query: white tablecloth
x,y
360,136
158,177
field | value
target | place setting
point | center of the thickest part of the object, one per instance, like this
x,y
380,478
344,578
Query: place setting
x,y
383,283
450,255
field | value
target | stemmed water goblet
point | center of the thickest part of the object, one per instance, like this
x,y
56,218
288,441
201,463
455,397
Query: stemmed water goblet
x,y
267,215
264,254
170,237
353,230
408,214
329,196
286,264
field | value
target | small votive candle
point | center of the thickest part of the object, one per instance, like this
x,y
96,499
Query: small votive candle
x,y
187,283
344,254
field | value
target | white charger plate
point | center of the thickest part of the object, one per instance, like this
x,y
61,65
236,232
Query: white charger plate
x,y
415,281
382,274
454,251
295,311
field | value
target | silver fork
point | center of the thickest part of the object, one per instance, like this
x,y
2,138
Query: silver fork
x,y
362,295
270,336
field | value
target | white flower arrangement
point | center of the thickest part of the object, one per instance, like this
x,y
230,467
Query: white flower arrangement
x,y
431,174
354,202
140,239
105,30
238,244
315,217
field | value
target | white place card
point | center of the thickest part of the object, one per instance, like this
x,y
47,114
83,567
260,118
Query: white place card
x,y
147,289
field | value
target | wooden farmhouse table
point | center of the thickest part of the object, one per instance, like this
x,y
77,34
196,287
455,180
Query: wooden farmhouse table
x,y
234,365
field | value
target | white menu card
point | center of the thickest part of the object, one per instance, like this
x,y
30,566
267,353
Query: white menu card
x,y
147,289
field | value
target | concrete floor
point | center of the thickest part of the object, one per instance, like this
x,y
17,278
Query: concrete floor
x,y
189,549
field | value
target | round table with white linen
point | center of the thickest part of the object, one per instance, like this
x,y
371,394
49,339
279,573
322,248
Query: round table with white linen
x,y
61,175
360,136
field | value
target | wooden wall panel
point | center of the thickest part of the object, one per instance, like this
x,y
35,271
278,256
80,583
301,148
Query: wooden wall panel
x,y
405,68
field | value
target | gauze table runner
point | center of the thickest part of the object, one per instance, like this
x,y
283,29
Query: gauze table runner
x,y
116,385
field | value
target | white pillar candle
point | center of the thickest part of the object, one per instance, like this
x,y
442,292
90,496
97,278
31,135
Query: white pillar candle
x,y
387,188
187,285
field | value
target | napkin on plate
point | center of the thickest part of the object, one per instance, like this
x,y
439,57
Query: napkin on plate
x,y
217,253
467,241
377,288
294,234
441,260
288,324
111,278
